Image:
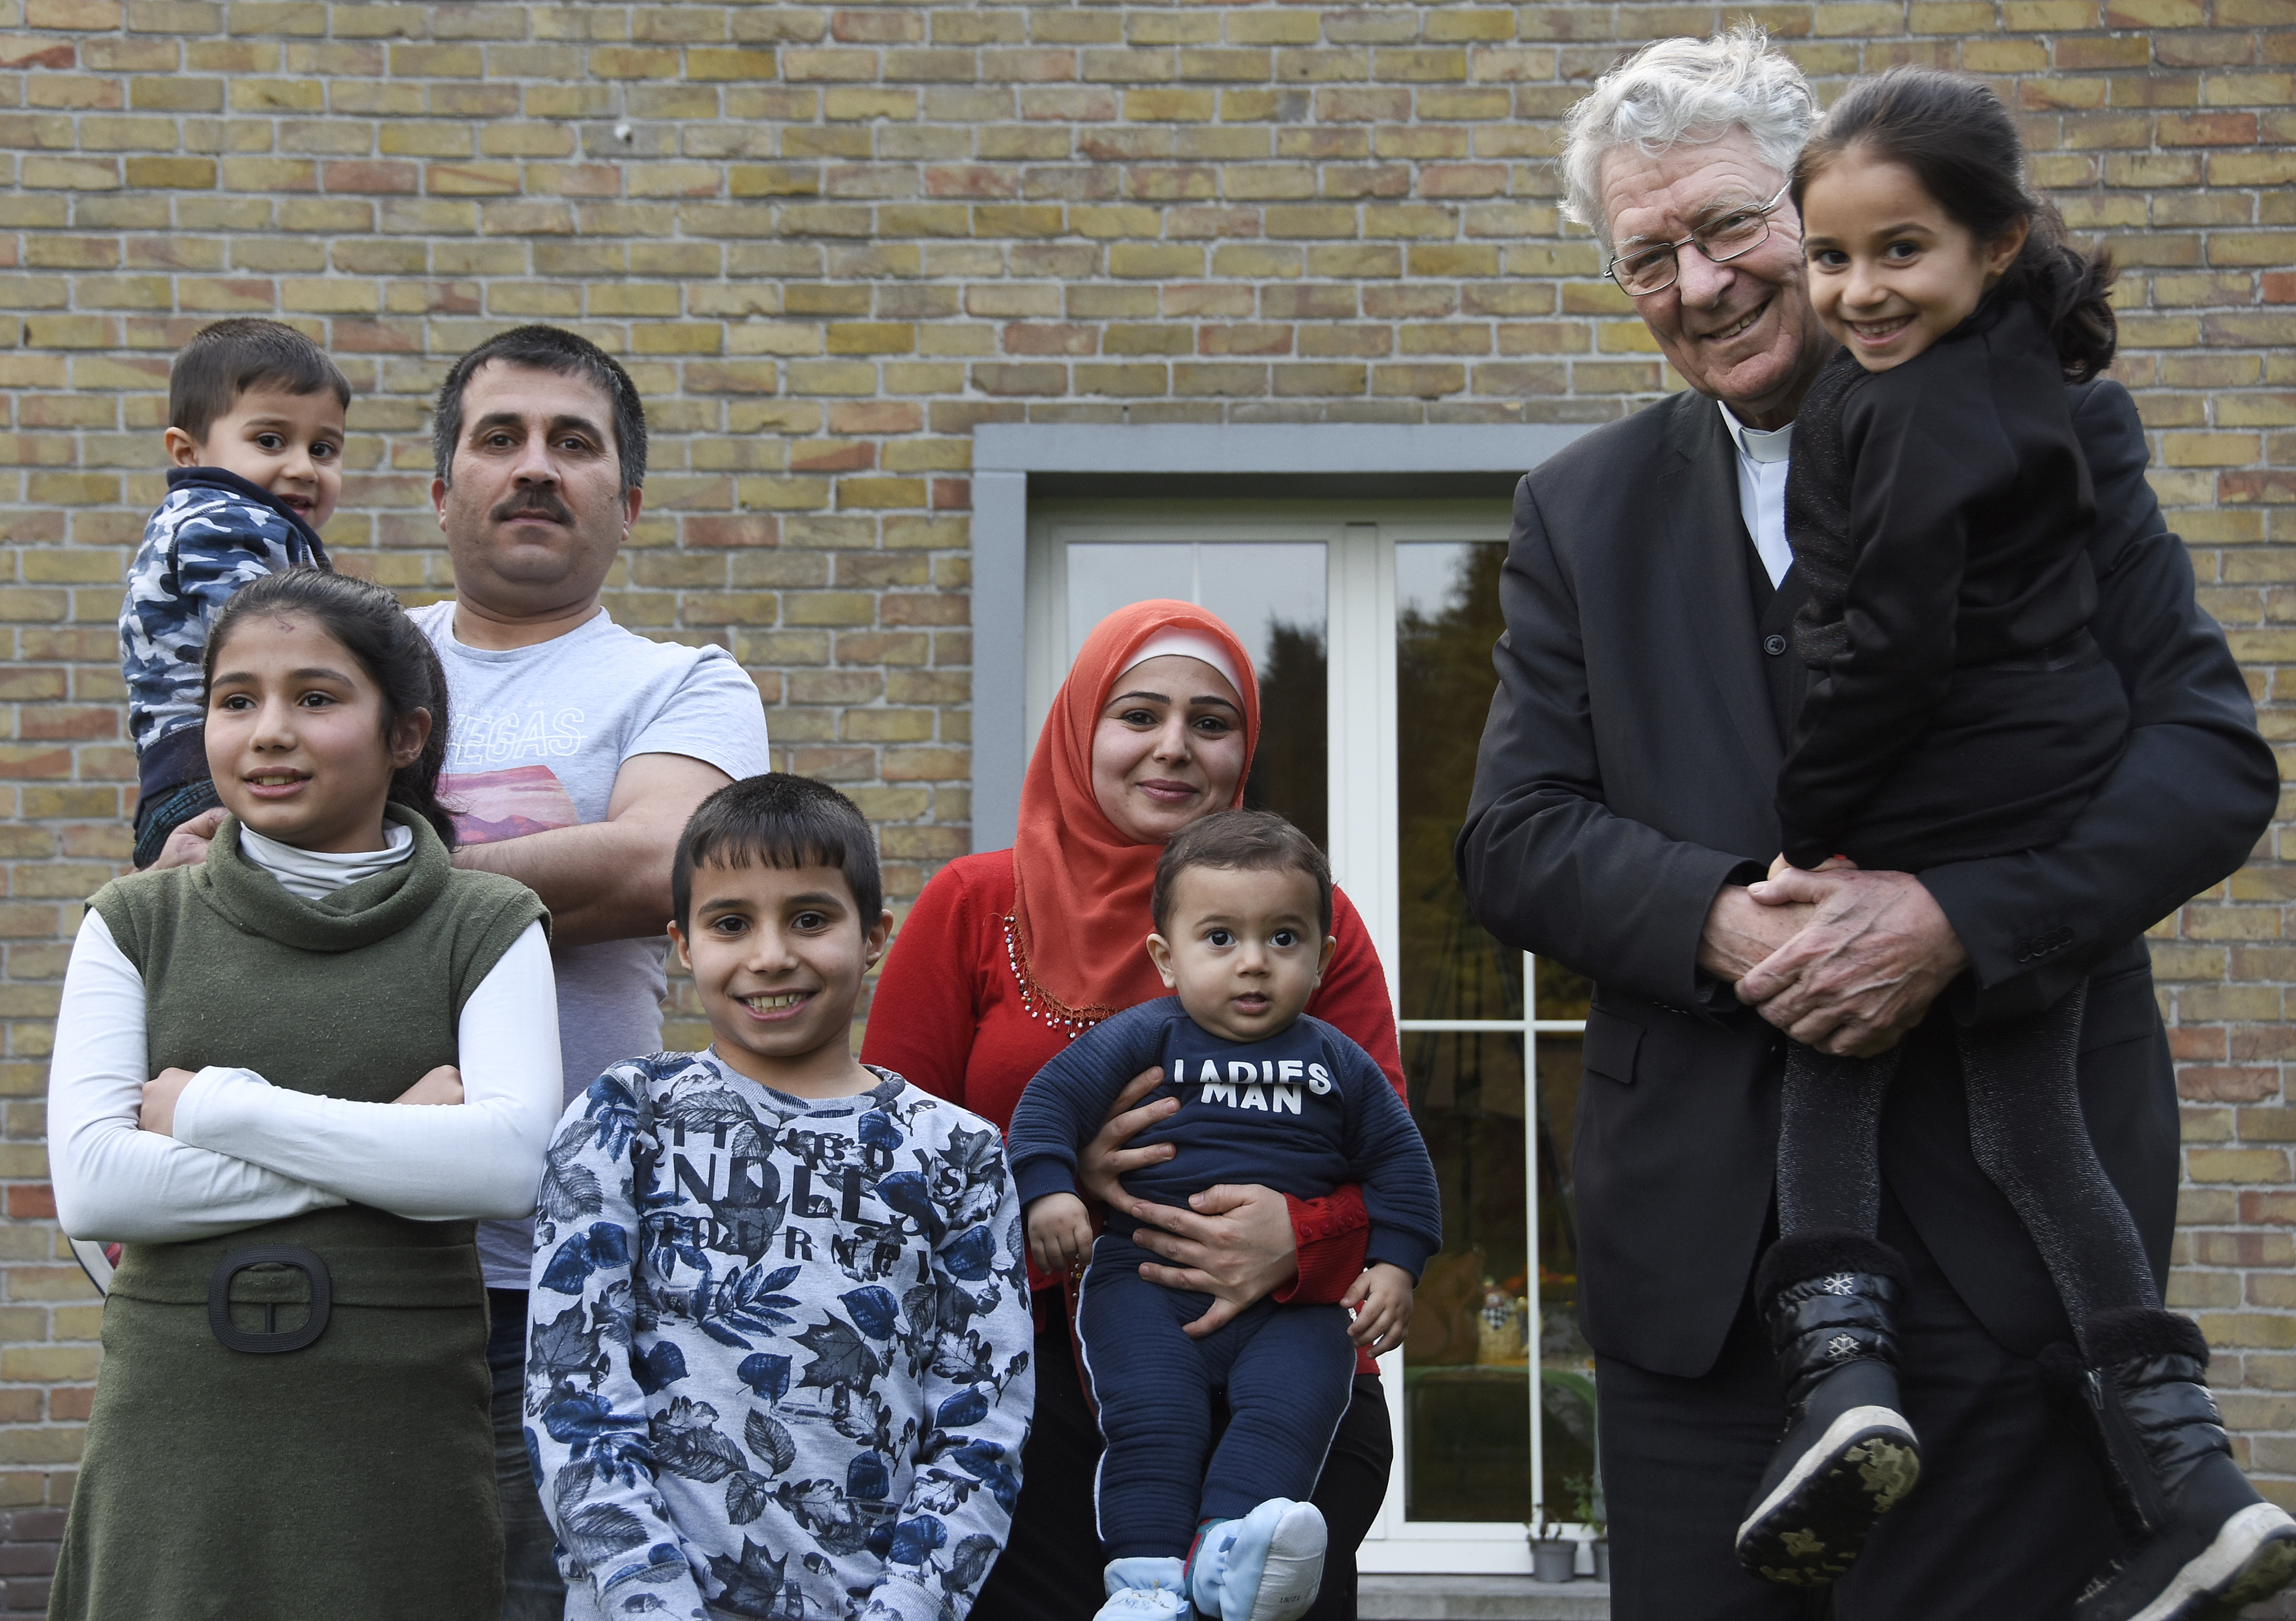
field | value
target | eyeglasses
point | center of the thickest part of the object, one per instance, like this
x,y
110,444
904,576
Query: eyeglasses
x,y
1653,268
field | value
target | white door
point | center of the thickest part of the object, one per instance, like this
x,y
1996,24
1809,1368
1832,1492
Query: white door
x,y
1372,628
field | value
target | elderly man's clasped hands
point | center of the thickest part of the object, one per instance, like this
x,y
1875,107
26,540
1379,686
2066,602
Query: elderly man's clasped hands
x,y
1843,960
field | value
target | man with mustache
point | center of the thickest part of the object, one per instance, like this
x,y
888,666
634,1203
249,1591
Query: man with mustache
x,y
575,752
1623,819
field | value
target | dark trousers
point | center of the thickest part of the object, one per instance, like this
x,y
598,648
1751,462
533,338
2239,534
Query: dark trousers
x,y
1051,1566
1287,1371
532,1590
2009,1523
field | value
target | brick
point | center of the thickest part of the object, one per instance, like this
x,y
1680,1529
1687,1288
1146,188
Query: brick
x,y
1170,105
69,174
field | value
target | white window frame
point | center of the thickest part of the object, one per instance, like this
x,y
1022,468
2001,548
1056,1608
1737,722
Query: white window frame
x,y
1359,539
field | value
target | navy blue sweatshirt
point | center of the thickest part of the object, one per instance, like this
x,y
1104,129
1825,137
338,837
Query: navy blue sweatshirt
x,y
1301,1111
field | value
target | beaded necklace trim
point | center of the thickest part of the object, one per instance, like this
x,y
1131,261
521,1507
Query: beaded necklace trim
x,y
1042,1006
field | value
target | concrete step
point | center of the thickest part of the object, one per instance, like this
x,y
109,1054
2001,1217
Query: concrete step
x,y
1479,1598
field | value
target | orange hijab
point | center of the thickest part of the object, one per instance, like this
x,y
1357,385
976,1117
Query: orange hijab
x,y
1080,886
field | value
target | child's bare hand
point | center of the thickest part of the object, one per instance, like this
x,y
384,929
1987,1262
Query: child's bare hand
x,y
158,1112
443,1084
1381,1301
1060,1232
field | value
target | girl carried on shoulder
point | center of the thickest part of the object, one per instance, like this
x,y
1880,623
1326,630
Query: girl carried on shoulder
x,y
291,1418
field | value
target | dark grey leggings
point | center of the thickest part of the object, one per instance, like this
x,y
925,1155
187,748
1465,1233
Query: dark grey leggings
x,y
2025,1129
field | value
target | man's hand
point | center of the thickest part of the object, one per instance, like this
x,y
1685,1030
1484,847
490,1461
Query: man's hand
x,y
1741,933
1105,1158
1060,1232
187,845
442,1085
159,1094
1875,952
1381,1301
1236,1245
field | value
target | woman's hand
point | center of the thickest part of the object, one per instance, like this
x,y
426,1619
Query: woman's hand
x,y
1060,1232
1381,1301
1236,1245
158,1112
1105,1158
442,1085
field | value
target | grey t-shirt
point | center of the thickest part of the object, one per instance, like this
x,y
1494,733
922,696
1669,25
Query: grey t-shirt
x,y
536,737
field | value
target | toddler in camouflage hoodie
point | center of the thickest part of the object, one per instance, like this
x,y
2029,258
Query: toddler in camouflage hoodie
x,y
255,444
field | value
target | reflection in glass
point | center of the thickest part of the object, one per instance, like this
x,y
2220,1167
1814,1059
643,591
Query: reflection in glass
x,y
1482,1325
1467,1426
1271,595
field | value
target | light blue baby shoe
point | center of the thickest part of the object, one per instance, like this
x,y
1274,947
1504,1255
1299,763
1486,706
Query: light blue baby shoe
x,y
1266,1566
1146,1590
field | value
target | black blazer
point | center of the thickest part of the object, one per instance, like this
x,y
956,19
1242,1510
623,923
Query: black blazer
x,y
1625,775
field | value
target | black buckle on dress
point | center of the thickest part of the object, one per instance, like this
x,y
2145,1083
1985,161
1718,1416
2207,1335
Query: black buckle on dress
x,y
273,1340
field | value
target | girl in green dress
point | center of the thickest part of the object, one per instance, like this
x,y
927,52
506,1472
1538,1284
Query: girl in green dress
x,y
292,1417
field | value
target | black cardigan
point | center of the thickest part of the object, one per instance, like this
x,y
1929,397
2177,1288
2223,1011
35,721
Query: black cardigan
x,y
1939,513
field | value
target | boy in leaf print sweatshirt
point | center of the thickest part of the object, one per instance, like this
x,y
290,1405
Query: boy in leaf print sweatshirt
x,y
779,1339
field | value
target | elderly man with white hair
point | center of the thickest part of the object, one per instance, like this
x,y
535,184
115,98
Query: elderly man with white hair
x,y
1622,806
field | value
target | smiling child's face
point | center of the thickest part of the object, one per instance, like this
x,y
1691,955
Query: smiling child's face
x,y
777,955
1244,949
1890,272
289,445
295,735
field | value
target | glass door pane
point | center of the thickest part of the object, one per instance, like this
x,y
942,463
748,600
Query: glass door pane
x,y
1466,1412
1272,595
1467,1365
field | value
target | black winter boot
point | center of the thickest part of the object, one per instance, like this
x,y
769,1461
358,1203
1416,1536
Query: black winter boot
x,y
1829,1299
2209,1546
2071,1386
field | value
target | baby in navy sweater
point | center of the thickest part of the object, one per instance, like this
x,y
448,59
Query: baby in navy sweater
x,y
1242,909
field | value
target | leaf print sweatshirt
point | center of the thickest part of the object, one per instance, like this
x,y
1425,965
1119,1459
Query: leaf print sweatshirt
x,y
778,1348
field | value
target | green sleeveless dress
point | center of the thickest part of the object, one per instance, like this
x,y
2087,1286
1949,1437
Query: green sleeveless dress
x,y
353,1477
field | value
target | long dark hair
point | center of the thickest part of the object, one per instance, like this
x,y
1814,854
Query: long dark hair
x,y
1960,143
397,657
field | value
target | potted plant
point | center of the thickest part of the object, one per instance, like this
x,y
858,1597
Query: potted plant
x,y
1554,1557
1586,1491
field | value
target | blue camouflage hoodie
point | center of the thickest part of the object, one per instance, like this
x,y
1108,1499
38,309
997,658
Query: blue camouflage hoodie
x,y
215,533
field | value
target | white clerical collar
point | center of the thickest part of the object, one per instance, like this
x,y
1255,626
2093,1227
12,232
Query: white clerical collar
x,y
1757,444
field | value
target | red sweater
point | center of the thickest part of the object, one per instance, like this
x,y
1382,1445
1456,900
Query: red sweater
x,y
947,1015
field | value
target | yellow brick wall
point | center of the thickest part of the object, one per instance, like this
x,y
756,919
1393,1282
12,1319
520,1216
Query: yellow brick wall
x,y
828,242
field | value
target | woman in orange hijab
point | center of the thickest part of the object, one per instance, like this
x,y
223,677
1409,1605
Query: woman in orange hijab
x,y
1008,955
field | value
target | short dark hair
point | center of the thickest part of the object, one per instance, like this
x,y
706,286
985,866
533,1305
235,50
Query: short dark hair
x,y
545,348
225,358
779,820
397,657
1960,143
1240,841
